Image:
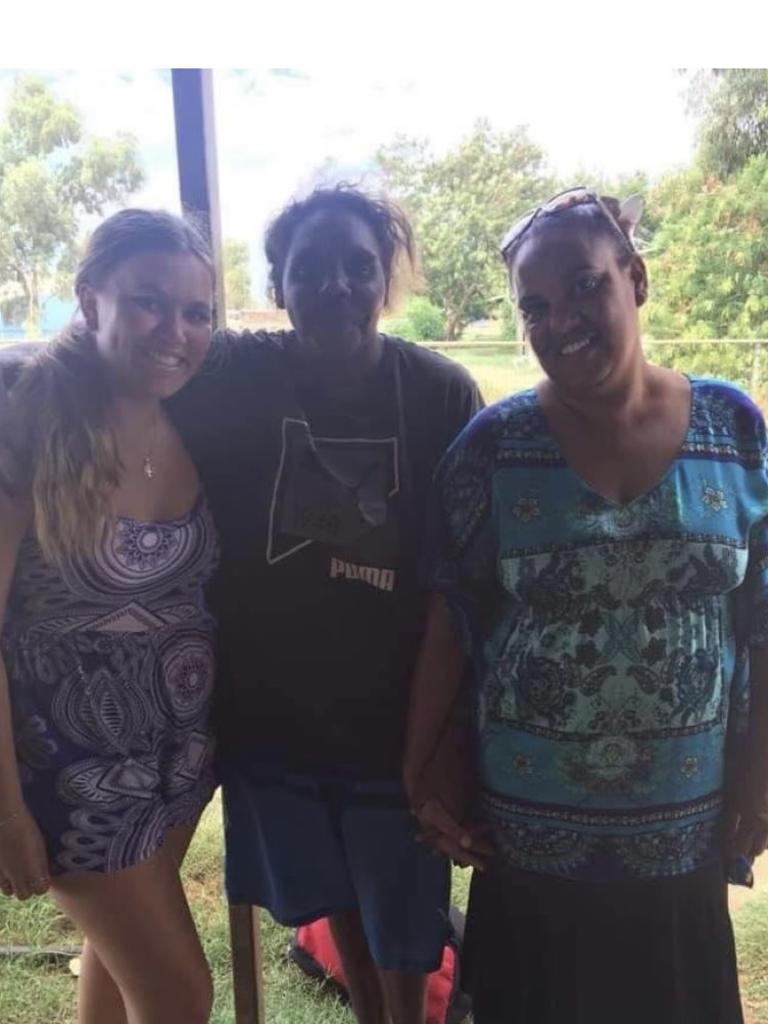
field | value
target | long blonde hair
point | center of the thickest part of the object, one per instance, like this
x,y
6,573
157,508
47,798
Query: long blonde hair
x,y
64,453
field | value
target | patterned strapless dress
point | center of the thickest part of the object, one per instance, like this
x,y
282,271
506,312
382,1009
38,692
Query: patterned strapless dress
x,y
111,666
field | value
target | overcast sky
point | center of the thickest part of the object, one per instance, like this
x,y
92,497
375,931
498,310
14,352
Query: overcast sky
x,y
276,128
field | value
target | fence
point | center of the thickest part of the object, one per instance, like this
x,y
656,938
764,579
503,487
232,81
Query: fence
x,y
741,360
744,361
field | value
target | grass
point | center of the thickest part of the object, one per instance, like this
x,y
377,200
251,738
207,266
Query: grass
x,y
497,373
33,992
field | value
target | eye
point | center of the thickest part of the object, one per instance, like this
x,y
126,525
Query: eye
x,y
147,303
362,266
302,270
587,285
533,314
200,316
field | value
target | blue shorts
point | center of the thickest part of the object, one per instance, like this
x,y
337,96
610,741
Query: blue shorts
x,y
306,847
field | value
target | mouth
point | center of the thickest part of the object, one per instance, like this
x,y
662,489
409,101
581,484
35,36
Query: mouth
x,y
570,348
339,322
168,361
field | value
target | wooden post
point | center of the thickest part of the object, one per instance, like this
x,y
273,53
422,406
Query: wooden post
x,y
197,162
755,377
245,936
199,190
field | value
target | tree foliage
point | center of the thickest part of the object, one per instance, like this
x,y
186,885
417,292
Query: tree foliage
x,y
51,172
419,321
731,105
461,203
237,274
709,259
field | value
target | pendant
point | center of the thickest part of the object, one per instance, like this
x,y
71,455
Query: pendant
x,y
149,469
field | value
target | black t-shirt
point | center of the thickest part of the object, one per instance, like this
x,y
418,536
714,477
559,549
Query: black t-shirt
x,y
321,509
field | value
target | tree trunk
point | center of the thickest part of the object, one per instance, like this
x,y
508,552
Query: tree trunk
x,y
34,312
452,328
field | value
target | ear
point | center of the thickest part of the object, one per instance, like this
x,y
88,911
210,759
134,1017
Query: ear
x,y
639,276
87,298
630,214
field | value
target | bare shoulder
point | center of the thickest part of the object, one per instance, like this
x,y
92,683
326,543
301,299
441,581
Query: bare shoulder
x,y
670,383
670,392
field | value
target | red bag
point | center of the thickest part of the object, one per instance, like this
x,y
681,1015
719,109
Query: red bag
x,y
314,951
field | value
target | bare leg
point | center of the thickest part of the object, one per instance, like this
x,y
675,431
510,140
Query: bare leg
x,y
98,997
365,991
142,934
405,995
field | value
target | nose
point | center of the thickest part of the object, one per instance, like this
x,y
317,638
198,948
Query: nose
x,y
563,318
335,282
173,328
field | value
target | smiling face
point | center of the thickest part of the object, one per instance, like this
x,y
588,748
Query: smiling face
x,y
152,320
579,304
334,284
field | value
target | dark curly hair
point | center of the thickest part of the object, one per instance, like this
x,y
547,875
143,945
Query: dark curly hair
x,y
389,224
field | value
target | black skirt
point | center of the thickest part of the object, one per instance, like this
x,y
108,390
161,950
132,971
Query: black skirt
x,y
547,950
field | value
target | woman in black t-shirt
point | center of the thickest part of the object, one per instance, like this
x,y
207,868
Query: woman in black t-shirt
x,y
317,447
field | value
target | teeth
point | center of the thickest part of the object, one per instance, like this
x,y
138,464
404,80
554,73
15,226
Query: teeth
x,y
574,346
170,362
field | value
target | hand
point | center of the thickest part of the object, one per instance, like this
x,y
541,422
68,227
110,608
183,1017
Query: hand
x,y
448,777
23,859
747,834
464,845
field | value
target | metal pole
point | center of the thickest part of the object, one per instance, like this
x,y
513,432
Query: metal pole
x,y
199,190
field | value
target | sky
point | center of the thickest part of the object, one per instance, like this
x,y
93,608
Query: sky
x,y
278,128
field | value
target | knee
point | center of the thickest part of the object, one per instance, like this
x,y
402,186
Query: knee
x,y
195,999
347,931
186,998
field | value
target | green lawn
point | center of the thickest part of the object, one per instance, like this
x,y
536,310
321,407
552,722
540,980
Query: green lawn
x,y
33,992
37,993
498,373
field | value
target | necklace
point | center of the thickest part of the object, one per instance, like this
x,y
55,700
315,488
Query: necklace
x,y
148,465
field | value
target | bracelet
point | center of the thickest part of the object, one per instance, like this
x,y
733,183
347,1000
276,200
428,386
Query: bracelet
x,y
9,819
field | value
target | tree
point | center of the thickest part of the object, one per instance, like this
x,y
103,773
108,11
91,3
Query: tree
x,y
237,274
709,260
419,321
731,105
51,173
461,204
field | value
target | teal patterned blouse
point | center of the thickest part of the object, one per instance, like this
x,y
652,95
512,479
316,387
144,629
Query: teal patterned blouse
x,y
609,641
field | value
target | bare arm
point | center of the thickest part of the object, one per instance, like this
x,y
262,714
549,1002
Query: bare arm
x,y
751,832
439,769
13,523
23,861
434,691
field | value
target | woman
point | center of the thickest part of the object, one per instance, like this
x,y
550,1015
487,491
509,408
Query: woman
x,y
107,664
317,447
602,544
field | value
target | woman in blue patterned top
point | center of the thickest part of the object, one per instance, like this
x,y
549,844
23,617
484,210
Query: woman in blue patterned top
x,y
602,542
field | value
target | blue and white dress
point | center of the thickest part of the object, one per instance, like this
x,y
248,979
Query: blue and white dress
x,y
111,667
609,640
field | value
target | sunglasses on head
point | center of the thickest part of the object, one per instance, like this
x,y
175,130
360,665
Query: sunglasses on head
x,y
578,196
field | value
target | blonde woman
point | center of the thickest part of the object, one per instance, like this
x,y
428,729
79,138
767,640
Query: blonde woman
x,y
107,646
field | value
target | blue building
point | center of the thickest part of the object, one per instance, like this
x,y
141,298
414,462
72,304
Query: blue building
x,y
57,313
